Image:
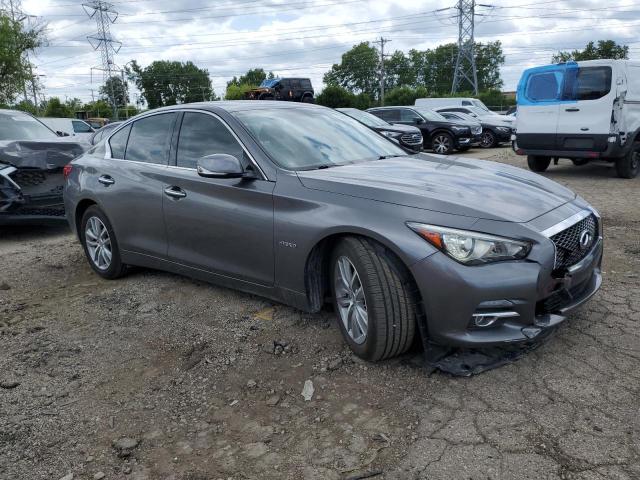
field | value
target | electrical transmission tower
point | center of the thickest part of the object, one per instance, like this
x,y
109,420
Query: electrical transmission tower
x,y
104,15
382,42
465,74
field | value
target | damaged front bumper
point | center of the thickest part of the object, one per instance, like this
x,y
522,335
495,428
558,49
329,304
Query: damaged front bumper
x,y
31,181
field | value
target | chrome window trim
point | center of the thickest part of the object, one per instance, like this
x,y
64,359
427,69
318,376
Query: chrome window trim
x,y
108,156
564,224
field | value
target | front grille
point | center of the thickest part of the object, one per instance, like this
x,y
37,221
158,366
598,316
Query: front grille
x,y
26,177
571,246
411,138
557,300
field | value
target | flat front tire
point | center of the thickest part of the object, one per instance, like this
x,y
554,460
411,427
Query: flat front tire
x,y
537,163
100,244
629,165
374,299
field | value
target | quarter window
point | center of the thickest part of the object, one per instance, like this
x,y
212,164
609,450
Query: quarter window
x,y
202,135
118,142
150,139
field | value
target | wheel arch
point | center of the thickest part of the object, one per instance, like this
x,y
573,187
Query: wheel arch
x,y
81,207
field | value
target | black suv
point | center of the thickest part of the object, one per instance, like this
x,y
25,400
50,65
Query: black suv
x,y
287,89
441,135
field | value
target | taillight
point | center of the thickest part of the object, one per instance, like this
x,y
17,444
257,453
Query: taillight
x,y
66,171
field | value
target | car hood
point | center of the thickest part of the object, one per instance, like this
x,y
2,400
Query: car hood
x,y
454,185
397,127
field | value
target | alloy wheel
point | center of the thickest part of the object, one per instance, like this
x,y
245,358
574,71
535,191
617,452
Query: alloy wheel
x,y
350,300
98,243
486,140
441,144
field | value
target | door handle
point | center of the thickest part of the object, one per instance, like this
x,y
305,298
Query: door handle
x,y
106,180
175,192
571,109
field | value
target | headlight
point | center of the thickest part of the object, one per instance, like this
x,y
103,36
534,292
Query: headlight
x,y
471,248
460,129
504,129
393,135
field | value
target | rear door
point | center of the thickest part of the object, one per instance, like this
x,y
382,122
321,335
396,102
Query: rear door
x,y
128,186
585,122
222,225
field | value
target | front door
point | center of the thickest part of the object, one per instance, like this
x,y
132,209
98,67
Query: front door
x,y
224,226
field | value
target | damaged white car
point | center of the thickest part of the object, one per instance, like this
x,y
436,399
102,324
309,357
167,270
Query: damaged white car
x,y
32,161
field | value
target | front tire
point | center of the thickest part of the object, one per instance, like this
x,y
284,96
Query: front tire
x,y
374,299
579,162
100,244
442,143
488,139
537,163
629,165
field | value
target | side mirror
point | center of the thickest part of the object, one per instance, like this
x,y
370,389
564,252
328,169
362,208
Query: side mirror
x,y
220,165
418,121
60,133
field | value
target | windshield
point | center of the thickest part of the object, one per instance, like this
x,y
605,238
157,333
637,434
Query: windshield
x,y
367,118
429,114
481,106
269,83
309,138
18,126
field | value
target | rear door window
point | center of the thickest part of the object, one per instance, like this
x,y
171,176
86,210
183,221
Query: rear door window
x,y
118,142
201,135
592,83
544,86
388,115
306,83
150,139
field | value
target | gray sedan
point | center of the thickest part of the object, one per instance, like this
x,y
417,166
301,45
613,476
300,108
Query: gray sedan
x,y
302,204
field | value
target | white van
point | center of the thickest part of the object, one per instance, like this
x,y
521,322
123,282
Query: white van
x,y
581,111
70,126
433,103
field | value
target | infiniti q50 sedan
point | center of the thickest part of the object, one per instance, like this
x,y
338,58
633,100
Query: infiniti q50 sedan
x,y
304,205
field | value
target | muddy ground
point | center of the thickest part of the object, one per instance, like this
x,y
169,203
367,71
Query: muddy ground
x,y
155,376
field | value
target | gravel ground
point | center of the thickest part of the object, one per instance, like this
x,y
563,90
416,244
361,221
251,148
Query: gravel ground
x,y
156,376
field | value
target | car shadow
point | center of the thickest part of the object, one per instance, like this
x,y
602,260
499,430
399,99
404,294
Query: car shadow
x,y
25,233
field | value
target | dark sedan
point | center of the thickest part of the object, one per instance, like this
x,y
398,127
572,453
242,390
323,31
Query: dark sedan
x,y
406,135
303,204
32,161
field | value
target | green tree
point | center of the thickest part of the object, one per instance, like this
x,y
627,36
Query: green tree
x,y
334,96
603,49
237,92
99,108
357,71
55,108
15,71
166,82
253,77
404,95
115,91
361,101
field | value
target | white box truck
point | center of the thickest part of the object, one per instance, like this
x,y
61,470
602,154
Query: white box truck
x,y
580,111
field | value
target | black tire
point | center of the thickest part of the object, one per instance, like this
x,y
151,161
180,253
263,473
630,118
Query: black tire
x,y
488,139
115,268
442,143
267,96
390,295
307,99
537,163
578,162
629,165
463,149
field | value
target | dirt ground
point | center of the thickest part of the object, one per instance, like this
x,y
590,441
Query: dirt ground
x,y
156,376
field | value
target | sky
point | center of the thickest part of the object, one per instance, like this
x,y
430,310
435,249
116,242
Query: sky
x,y
305,37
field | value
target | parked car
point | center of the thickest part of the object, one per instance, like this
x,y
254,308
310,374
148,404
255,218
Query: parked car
x,y
32,161
300,203
434,103
69,127
493,132
99,134
479,114
407,136
581,111
441,135
97,122
287,89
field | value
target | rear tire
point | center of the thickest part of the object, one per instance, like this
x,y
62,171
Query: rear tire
x,y
307,99
100,244
629,165
537,163
578,162
387,297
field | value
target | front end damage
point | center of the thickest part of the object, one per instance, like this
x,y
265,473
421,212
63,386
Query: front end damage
x,y
31,180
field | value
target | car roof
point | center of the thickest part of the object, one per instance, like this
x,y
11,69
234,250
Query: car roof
x,y
240,105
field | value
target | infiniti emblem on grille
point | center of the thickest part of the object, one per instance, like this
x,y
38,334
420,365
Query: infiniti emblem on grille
x,y
585,239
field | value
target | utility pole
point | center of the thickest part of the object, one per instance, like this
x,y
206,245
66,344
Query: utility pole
x,y
381,72
465,73
104,15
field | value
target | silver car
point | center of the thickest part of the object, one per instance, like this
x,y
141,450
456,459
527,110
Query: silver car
x,y
302,204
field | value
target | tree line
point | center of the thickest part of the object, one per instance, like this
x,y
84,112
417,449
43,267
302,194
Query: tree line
x,y
353,82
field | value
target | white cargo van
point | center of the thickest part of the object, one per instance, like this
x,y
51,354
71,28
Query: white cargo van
x,y
580,111
451,102
69,126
